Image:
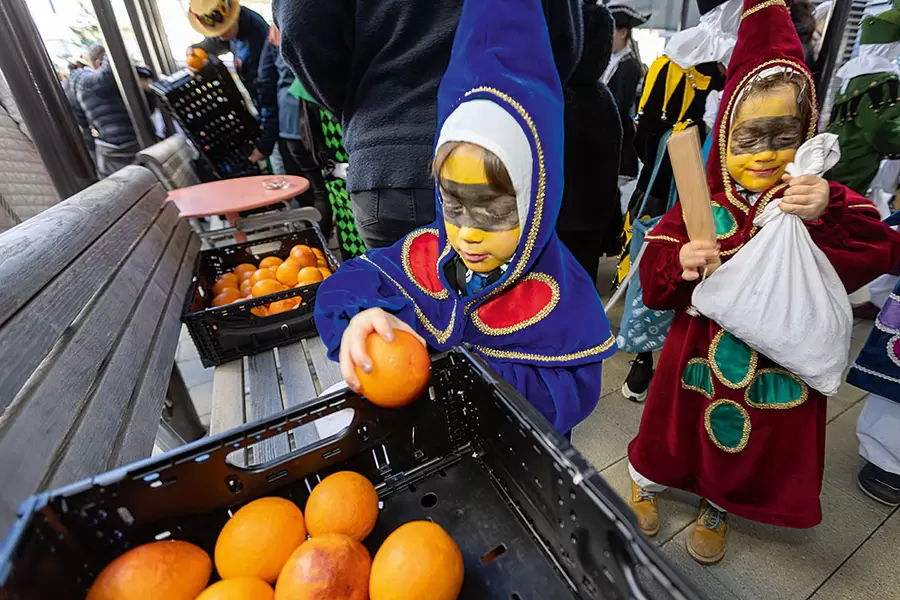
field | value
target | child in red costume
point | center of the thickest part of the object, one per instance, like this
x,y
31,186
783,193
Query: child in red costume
x,y
723,421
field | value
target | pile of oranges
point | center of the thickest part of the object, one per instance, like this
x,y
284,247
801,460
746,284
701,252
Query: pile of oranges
x,y
304,266
265,544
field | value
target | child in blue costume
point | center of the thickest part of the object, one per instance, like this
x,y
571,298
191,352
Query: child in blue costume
x,y
490,271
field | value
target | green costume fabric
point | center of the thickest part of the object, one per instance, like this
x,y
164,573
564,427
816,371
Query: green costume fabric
x,y
866,117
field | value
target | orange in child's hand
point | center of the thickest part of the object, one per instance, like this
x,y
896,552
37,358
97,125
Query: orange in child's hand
x,y
262,274
240,588
309,275
245,271
287,272
303,256
270,262
400,372
345,503
418,561
227,296
259,538
330,567
266,287
170,569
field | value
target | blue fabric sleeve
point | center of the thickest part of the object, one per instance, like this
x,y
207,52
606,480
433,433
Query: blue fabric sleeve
x,y
267,87
564,396
356,286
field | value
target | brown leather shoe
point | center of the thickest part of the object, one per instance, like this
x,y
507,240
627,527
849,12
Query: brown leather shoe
x,y
708,539
643,503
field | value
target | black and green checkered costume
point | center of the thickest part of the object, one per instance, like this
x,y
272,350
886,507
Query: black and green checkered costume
x,y
352,244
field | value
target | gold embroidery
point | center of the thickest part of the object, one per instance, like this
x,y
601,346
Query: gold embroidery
x,y
761,6
538,203
804,393
542,358
407,268
440,336
708,393
663,238
858,206
554,300
745,436
726,118
751,369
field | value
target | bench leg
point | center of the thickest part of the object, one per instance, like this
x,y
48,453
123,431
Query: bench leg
x,y
167,438
179,412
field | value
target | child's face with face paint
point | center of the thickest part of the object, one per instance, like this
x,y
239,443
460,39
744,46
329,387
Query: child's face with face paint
x,y
764,137
482,224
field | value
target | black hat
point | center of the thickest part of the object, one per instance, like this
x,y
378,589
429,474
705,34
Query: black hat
x,y
707,5
625,16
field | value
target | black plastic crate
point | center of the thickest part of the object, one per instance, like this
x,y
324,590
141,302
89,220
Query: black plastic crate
x,y
211,111
533,518
230,332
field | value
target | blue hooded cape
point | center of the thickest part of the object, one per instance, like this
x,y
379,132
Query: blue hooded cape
x,y
541,326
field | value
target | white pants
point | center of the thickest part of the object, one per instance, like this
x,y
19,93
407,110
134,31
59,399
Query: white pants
x,y
881,288
654,487
878,430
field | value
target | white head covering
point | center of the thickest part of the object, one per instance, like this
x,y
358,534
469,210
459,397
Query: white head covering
x,y
872,58
712,40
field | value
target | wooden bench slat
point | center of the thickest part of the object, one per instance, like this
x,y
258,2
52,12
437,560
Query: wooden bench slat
x,y
264,401
228,397
140,429
298,389
48,406
32,332
327,371
61,233
113,399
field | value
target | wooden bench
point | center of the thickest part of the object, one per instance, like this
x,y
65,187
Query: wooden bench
x,y
172,161
89,324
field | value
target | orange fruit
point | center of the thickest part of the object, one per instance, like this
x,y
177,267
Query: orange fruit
x,y
418,561
400,371
326,273
303,256
260,311
223,284
227,296
266,287
246,286
270,262
244,268
309,275
345,503
262,274
282,306
318,253
331,567
259,538
196,62
287,273
169,569
240,588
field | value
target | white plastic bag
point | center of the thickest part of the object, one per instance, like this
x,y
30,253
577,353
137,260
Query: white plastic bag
x,y
780,294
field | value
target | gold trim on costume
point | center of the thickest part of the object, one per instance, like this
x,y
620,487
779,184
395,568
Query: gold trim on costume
x,y
543,358
804,393
761,6
440,336
554,300
860,206
745,437
707,393
407,268
751,369
663,238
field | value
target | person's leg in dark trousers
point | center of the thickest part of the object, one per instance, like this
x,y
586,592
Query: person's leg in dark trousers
x,y
586,247
386,215
299,161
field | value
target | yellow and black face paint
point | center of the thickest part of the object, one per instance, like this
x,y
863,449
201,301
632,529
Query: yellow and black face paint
x,y
482,225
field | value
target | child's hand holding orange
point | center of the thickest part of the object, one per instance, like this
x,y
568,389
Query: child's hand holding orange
x,y
806,196
696,256
353,342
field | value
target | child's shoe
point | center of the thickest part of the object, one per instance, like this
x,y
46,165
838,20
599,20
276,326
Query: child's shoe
x,y
708,539
643,503
637,383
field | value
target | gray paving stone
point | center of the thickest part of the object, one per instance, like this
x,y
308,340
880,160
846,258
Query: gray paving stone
x,y
624,413
600,440
202,397
846,397
872,572
187,351
193,373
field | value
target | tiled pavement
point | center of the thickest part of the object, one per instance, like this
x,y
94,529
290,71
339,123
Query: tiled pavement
x,y
852,555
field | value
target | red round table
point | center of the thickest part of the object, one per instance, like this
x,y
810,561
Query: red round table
x,y
232,196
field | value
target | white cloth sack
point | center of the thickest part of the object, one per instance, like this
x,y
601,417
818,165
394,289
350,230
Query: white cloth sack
x,y
780,294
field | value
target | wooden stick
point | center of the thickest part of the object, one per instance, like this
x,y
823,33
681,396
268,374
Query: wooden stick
x,y
690,178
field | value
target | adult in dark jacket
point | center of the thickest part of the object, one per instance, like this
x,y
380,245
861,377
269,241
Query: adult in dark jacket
x,y
280,117
377,64
623,75
590,219
230,27
70,88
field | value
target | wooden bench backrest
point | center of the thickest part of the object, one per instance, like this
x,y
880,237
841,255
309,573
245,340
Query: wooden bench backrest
x,y
171,161
89,323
